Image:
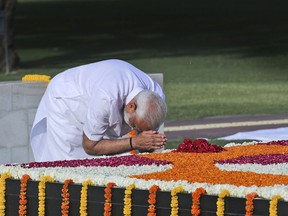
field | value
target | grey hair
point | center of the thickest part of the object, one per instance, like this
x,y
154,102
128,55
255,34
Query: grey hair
x,y
151,108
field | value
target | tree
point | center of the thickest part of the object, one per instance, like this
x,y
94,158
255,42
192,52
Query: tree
x,y
8,8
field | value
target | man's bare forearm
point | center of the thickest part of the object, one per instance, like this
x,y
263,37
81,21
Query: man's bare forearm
x,y
105,147
146,141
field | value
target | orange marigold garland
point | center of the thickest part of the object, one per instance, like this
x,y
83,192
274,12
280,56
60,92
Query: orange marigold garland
x,y
42,194
132,134
108,198
127,210
174,200
273,210
83,198
23,195
195,209
65,197
250,204
220,202
152,200
3,178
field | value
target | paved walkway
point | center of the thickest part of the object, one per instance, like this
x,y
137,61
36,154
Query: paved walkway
x,y
221,126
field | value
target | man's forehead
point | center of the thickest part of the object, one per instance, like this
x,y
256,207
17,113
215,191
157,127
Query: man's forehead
x,y
141,125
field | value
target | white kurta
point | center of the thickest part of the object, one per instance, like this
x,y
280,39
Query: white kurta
x,y
88,98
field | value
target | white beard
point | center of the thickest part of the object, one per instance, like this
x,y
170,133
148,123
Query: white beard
x,y
127,117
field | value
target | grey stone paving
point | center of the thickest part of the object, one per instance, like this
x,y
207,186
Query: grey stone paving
x,y
245,124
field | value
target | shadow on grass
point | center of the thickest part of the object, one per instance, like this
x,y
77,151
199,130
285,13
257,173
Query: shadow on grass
x,y
86,31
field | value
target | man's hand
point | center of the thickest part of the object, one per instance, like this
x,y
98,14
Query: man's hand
x,y
146,141
149,141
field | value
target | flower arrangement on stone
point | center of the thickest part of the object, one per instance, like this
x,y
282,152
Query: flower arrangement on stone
x,y
198,146
36,78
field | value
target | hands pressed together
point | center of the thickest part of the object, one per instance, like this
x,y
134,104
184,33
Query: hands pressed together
x,y
149,141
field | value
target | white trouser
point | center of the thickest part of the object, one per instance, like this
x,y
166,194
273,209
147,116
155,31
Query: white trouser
x,y
56,134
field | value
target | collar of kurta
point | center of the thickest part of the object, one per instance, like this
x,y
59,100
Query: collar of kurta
x,y
132,94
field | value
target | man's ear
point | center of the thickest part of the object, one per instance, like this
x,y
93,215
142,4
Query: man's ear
x,y
131,107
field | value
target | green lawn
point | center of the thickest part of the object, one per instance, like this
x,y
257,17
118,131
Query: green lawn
x,y
218,58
